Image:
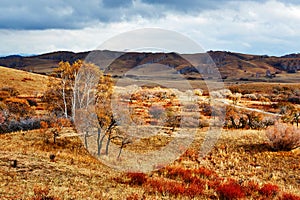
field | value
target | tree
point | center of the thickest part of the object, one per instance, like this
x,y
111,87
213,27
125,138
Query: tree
x,y
60,96
104,112
81,92
91,105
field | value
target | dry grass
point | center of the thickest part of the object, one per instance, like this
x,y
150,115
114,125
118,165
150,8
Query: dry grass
x,y
261,87
245,155
25,82
74,174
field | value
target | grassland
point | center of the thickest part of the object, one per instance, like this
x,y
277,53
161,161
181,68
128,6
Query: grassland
x,y
29,171
75,174
25,82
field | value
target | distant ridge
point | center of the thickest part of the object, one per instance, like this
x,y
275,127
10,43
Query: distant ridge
x,y
230,64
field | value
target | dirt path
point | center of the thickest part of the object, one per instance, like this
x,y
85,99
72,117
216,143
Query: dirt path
x,y
249,109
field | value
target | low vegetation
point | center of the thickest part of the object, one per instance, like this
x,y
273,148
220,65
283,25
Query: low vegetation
x,y
41,156
283,137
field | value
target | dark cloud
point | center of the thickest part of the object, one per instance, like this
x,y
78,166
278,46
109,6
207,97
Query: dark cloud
x,y
76,14
35,14
187,5
117,3
64,14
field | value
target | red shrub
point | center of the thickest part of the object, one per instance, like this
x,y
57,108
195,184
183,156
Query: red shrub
x,y
203,172
154,185
194,180
269,190
213,184
174,188
137,178
251,187
230,190
194,190
179,172
165,187
287,196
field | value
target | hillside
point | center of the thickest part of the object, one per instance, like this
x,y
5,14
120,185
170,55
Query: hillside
x,y
32,166
25,82
232,66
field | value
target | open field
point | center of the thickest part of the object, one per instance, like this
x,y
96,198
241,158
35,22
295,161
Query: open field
x,y
33,167
74,174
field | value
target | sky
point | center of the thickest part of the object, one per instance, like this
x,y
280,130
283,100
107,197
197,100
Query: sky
x,y
265,27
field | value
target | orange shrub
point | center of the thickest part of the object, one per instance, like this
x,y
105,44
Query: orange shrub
x,y
17,106
4,95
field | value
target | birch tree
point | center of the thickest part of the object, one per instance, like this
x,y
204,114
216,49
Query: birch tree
x,y
60,94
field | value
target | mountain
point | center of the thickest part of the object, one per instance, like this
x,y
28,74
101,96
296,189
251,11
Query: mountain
x,y
234,66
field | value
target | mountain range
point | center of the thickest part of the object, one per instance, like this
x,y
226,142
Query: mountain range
x,y
232,66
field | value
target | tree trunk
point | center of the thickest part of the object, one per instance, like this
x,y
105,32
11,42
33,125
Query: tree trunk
x,y
64,99
85,139
120,151
107,144
54,138
233,122
74,99
98,142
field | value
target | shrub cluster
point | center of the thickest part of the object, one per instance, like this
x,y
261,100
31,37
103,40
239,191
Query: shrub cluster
x,y
283,137
179,182
23,124
246,120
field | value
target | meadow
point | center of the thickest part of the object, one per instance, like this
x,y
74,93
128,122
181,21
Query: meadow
x,y
244,163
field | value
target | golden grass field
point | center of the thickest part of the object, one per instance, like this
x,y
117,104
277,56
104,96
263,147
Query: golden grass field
x,y
27,172
26,83
74,174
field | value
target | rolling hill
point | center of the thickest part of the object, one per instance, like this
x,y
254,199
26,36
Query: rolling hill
x,y
232,66
25,82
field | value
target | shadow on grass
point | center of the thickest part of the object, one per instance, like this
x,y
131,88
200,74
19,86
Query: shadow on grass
x,y
256,148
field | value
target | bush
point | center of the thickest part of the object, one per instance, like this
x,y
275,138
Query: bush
x,y
14,125
32,102
4,95
283,137
18,106
287,196
294,99
12,91
250,188
42,193
269,190
165,187
230,190
137,178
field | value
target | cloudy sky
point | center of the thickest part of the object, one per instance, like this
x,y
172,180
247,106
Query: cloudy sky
x,y
258,27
